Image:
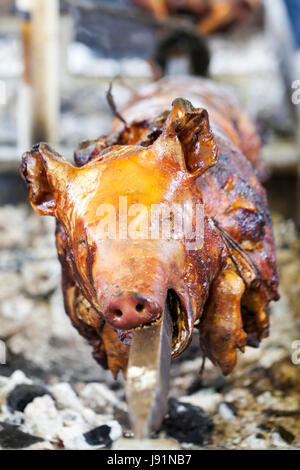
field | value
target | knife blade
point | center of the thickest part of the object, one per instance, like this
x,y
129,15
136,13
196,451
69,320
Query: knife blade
x,y
147,382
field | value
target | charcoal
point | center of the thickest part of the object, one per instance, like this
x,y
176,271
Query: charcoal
x,y
188,423
99,436
23,394
12,438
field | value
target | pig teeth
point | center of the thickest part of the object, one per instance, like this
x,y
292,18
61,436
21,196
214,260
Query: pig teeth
x,y
126,335
155,322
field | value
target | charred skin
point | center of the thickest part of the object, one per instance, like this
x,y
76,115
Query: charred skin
x,y
165,154
211,15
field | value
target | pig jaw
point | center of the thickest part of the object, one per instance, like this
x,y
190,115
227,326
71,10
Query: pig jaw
x,y
182,321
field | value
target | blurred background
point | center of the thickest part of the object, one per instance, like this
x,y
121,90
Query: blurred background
x,y
57,59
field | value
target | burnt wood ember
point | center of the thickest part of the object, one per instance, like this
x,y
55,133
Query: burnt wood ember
x,y
23,394
99,436
12,438
188,423
200,149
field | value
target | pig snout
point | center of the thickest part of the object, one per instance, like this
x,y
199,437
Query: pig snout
x,y
129,310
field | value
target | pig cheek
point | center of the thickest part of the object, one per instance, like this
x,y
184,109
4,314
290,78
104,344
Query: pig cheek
x,y
83,259
103,292
196,287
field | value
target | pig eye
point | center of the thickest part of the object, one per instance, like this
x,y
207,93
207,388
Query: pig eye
x,y
139,307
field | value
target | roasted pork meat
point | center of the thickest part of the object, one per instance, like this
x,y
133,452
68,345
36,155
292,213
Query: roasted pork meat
x,y
182,143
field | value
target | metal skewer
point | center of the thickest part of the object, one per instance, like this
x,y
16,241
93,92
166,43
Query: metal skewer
x,y
147,382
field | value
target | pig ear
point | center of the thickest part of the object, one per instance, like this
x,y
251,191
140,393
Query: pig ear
x,y
46,174
191,125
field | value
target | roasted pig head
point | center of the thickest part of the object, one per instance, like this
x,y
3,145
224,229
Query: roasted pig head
x,y
149,216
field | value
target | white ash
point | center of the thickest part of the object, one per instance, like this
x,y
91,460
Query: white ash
x,y
14,418
10,284
17,308
71,418
277,440
40,277
11,221
41,446
278,401
99,395
116,430
239,396
42,419
65,396
31,341
207,399
192,366
8,384
60,322
73,438
61,420
226,412
252,442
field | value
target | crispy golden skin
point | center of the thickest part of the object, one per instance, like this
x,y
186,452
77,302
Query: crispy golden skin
x,y
165,154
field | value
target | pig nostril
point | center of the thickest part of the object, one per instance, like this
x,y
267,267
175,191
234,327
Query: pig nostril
x,y
118,313
139,307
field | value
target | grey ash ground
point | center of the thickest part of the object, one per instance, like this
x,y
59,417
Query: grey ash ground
x,y
53,395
